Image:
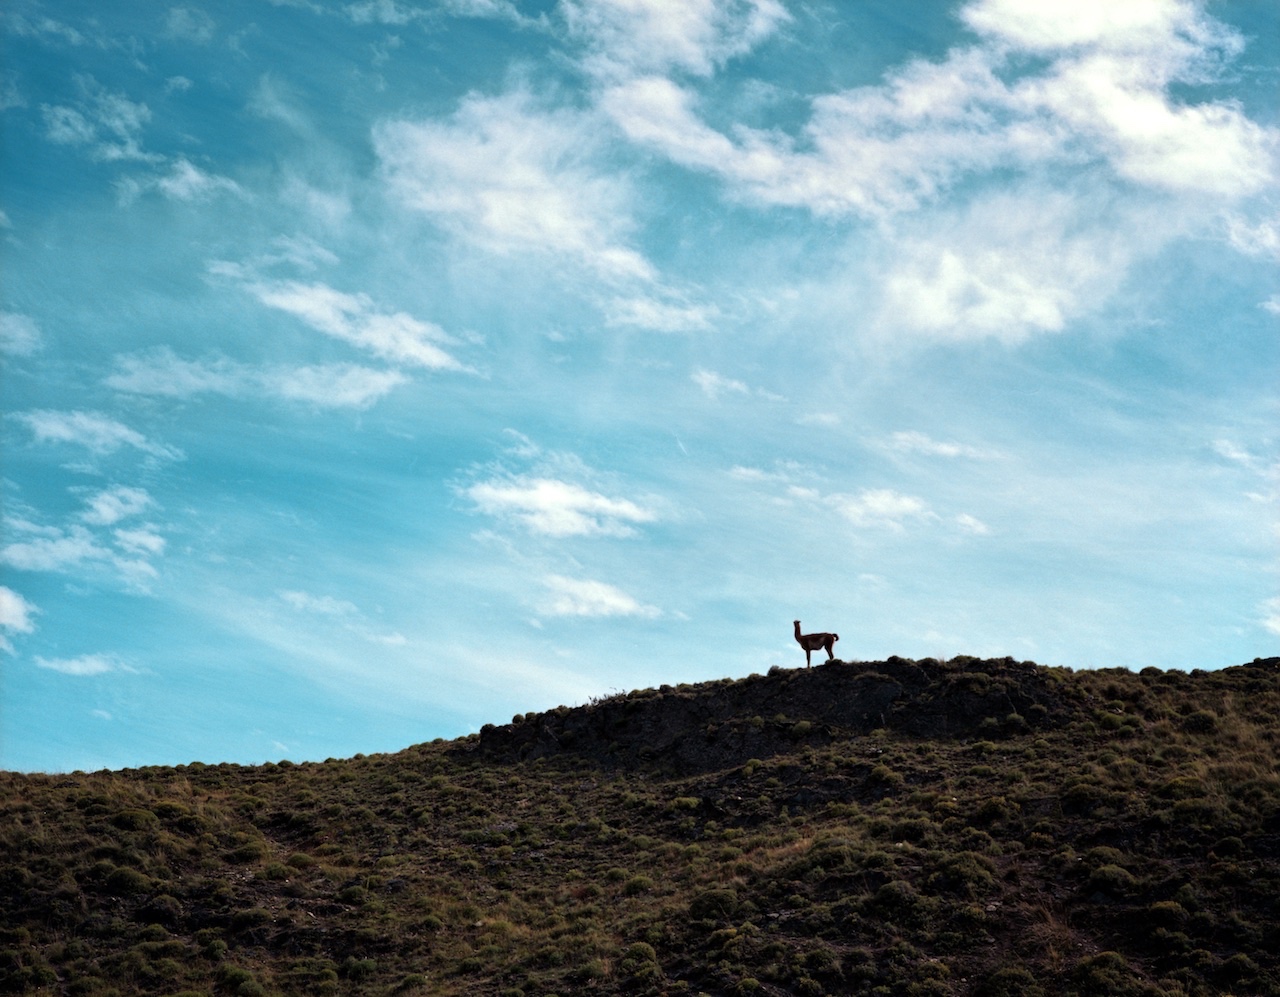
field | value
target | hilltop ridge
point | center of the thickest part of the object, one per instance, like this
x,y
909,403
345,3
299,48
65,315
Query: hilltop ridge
x,y
711,725
900,829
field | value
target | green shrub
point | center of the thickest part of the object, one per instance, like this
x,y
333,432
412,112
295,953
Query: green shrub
x,y
1010,981
127,881
135,820
637,885
357,969
712,905
1112,880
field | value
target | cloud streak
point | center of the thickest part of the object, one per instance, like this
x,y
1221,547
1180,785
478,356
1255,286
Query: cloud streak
x,y
85,666
163,373
98,433
354,318
589,598
552,508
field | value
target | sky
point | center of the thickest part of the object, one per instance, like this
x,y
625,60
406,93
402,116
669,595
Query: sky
x,y
374,371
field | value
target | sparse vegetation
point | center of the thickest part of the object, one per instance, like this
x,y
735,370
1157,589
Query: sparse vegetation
x,y
897,828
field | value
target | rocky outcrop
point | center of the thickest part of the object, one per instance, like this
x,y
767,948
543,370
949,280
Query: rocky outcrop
x,y
714,725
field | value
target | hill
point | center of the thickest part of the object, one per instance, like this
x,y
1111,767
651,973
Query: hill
x,y
890,828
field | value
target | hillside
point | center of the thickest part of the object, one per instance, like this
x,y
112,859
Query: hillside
x,y
889,828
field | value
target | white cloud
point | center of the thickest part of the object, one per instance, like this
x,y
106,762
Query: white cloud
x,y
274,100
354,318
187,182
625,37
1011,264
915,442
383,12
880,507
1097,94
190,24
78,549
555,508
755,474
108,122
15,617
661,316
66,126
1272,304
335,385
973,525
1261,239
513,178
85,665
1138,26
323,605
1271,616
715,385
161,372
51,549
92,430
585,597
19,334
1229,450
44,27
110,506
143,542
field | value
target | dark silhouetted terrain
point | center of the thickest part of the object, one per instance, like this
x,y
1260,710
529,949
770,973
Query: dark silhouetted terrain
x,y
888,828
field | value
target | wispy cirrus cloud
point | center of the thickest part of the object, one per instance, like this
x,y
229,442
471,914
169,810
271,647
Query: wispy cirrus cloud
x,y
354,318
190,24
879,508
98,433
625,38
513,177
17,616
162,372
19,334
85,666
554,508
107,122
184,181
660,315
142,542
555,495
911,441
108,507
590,598
715,386
1271,616
996,269
1101,96
1083,95
886,509
125,555
44,548
345,614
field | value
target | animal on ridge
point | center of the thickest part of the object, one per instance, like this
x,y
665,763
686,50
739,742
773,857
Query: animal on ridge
x,y
814,642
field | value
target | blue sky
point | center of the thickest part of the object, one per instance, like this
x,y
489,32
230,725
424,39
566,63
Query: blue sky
x,y
374,371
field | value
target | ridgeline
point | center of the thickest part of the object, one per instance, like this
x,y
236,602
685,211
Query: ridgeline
x,y
984,827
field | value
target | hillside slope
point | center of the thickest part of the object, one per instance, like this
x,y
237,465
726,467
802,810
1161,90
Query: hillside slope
x,y
913,828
